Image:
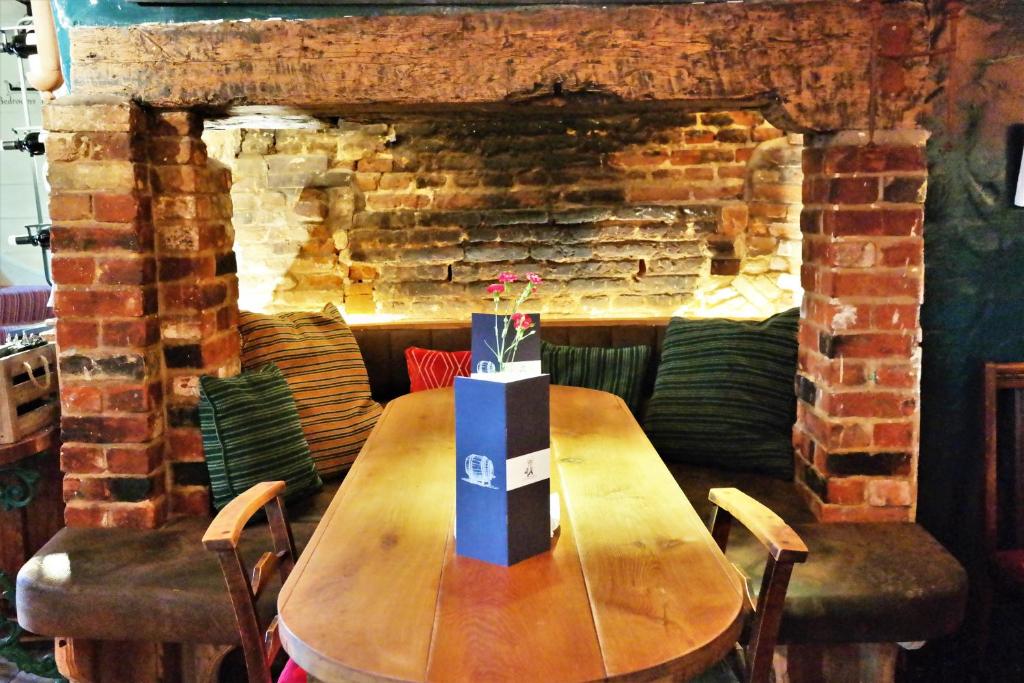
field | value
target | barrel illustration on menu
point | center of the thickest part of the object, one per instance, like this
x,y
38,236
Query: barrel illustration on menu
x,y
479,470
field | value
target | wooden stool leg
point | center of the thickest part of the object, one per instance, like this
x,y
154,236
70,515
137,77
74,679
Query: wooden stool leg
x,y
76,659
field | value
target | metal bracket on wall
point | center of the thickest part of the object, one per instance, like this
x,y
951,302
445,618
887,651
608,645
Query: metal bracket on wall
x,y
17,487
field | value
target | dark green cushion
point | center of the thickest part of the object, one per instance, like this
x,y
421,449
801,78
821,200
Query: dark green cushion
x,y
251,433
618,371
723,395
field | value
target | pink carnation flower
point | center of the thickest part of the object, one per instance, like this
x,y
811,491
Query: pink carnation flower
x,y
534,278
506,277
496,288
521,321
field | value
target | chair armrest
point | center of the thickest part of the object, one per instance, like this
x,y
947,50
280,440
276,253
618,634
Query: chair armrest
x,y
226,528
782,542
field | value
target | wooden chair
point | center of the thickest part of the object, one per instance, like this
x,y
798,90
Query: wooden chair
x,y
222,536
753,663
1004,474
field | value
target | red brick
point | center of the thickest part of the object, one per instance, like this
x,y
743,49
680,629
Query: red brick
x,y
184,445
892,78
85,488
191,500
743,154
72,114
70,207
132,398
853,190
117,208
80,334
641,158
889,492
863,513
854,284
374,165
82,459
135,459
149,514
812,160
84,514
131,333
700,173
80,399
720,191
178,267
127,271
873,345
658,193
904,253
699,137
176,123
896,376
139,428
842,491
873,222
870,404
91,146
815,190
133,238
810,221
73,270
894,435
123,301
895,316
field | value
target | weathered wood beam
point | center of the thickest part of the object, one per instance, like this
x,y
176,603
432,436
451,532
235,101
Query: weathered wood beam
x,y
814,58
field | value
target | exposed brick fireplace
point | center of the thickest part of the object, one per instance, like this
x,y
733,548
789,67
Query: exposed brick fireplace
x,y
665,180
629,214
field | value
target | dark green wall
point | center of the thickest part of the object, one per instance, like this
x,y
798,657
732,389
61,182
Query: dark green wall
x,y
974,263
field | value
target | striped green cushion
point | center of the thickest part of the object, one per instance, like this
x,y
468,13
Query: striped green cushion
x,y
320,359
724,396
251,433
620,371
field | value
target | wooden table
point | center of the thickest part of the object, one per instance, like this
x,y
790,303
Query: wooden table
x,y
634,586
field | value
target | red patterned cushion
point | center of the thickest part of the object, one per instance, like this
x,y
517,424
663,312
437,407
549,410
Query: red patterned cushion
x,y
430,369
292,674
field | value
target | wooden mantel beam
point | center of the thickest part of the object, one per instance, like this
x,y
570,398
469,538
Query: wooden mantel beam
x,y
814,59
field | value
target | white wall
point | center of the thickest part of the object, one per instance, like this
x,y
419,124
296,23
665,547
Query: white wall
x,y
19,265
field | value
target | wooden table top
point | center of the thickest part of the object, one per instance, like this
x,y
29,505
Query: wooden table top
x,y
634,586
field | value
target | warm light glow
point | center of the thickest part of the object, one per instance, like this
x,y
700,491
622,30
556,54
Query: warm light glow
x,y
56,567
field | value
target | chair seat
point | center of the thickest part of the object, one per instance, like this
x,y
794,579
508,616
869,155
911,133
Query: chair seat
x,y
1009,568
292,674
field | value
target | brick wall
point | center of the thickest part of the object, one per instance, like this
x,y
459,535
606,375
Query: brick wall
x,y
632,214
859,371
145,300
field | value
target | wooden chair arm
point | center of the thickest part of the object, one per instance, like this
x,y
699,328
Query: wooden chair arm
x,y
782,542
226,528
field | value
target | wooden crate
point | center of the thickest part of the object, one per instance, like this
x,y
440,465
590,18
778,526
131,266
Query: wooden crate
x,y
29,398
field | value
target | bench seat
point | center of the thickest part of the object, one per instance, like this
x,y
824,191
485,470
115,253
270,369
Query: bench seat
x,y
862,582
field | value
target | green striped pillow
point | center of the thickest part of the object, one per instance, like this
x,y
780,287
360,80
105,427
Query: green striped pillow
x,y
723,395
251,433
620,371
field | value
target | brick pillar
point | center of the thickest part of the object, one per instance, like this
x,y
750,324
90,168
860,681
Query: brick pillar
x,y
112,413
858,384
198,290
